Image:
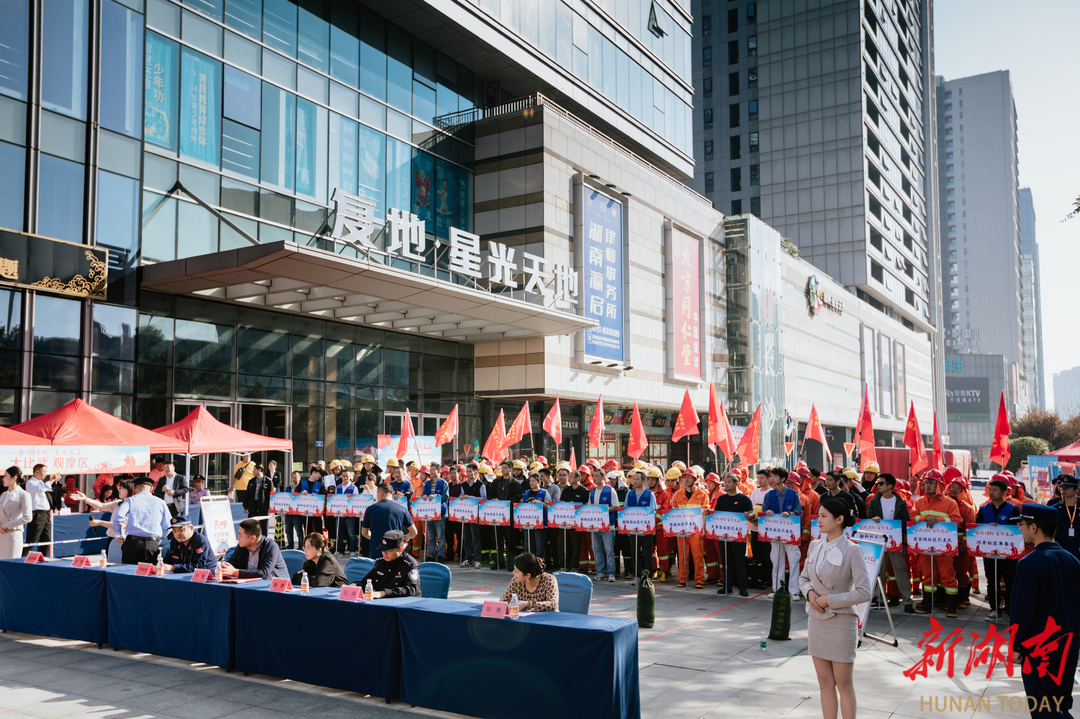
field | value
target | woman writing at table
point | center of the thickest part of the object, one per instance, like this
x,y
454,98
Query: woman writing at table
x,y
833,580
536,590
14,514
322,568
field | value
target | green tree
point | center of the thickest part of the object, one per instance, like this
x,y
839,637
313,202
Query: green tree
x,y
1037,423
789,247
1021,447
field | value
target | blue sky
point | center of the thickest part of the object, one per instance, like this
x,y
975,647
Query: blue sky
x,y
1036,42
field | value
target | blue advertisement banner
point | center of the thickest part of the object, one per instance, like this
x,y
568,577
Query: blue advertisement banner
x,y
200,116
602,275
423,179
159,105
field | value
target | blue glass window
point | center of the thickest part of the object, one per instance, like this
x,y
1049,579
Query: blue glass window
x,y
372,173
398,174
161,78
423,187
121,65
240,149
279,26
423,101
242,97
209,7
445,199
12,183
343,153
60,199
200,98
118,216
244,16
278,137
314,35
14,47
399,74
373,55
311,149
65,48
345,43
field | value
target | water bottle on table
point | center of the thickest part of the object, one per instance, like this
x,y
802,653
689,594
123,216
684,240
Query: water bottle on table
x,y
305,586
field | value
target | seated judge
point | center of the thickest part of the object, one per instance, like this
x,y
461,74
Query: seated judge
x,y
322,568
188,550
255,556
397,574
536,590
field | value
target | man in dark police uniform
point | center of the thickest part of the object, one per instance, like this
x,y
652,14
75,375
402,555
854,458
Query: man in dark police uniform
x,y
188,550
397,574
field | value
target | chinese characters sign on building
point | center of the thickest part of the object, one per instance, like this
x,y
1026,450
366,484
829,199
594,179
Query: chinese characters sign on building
x,y
159,93
200,123
602,274
53,265
685,309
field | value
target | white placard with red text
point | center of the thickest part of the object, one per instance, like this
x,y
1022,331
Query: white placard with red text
x,y
728,526
778,528
563,515
592,518
495,512
684,522
637,520
529,516
465,509
939,539
892,529
427,508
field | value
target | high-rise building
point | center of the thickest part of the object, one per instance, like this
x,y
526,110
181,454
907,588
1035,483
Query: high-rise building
x,y
1031,301
1067,392
819,120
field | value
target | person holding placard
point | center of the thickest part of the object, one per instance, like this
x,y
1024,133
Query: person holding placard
x,y
346,526
435,486
603,543
834,580
188,550
661,565
470,538
785,502
640,496
535,494
887,504
690,495
760,569
321,566
536,590
734,557
932,508
14,514
998,511
963,563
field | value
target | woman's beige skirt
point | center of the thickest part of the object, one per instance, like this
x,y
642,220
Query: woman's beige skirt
x,y
833,639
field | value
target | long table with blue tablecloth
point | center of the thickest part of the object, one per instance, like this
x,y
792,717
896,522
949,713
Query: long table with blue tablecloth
x,y
419,650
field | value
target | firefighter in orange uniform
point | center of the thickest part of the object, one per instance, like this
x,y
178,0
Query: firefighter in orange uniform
x,y
690,495
712,547
662,553
963,563
811,501
934,507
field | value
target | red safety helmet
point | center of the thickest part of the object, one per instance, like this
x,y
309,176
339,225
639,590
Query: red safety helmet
x,y
594,462
425,469
795,478
585,468
1005,477
610,466
712,477
933,474
952,473
803,471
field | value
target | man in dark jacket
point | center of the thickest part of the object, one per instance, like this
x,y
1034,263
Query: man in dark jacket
x,y
257,497
397,574
886,504
188,550
255,556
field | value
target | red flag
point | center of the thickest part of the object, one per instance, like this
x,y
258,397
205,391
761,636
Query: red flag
x,y
406,433
573,460
596,427
638,441
687,421
493,448
864,436
999,449
719,429
521,427
937,456
814,430
751,440
913,440
553,422
448,430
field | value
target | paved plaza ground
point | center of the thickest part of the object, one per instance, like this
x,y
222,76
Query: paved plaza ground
x,y
702,659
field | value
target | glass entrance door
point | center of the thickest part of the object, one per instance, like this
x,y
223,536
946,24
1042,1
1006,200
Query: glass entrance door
x,y
215,467
269,421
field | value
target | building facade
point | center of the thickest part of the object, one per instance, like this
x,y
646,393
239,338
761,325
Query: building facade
x,y
321,214
1031,302
1067,392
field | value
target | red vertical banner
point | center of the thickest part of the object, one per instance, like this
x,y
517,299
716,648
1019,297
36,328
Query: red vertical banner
x,y
685,313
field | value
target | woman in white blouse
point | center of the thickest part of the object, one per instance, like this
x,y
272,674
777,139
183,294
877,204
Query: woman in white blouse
x,y
833,580
124,489
14,514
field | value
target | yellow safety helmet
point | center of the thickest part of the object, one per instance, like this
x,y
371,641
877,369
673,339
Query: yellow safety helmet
x,y
519,464
698,472
673,473
563,465
654,472
367,459
335,463
392,462
851,473
412,463
483,468
639,464
537,466
872,467
678,465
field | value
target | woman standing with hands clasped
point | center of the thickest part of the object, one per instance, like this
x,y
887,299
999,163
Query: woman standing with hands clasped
x,y
14,514
833,580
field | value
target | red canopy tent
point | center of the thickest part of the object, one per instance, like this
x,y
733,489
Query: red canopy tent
x,y
1068,454
10,437
200,433
79,423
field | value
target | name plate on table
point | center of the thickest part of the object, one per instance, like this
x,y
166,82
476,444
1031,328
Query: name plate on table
x,y
495,610
350,593
34,558
145,569
280,584
201,576
80,561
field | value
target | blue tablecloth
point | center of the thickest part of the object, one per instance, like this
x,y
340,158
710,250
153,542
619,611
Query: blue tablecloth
x,y
285,635
544,665
77,526
171,616
53,600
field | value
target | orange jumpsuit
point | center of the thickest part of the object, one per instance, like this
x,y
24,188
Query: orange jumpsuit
x,y
712,547
662,553
811,502
691,545
943,509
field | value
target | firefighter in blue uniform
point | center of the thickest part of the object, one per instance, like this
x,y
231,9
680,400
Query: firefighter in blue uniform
x,y
1047,585
188,550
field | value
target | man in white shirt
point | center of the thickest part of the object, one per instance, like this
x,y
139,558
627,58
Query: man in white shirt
x,y
760,565
39,529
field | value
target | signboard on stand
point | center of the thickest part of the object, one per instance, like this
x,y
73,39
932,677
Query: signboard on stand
x,y
218,522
